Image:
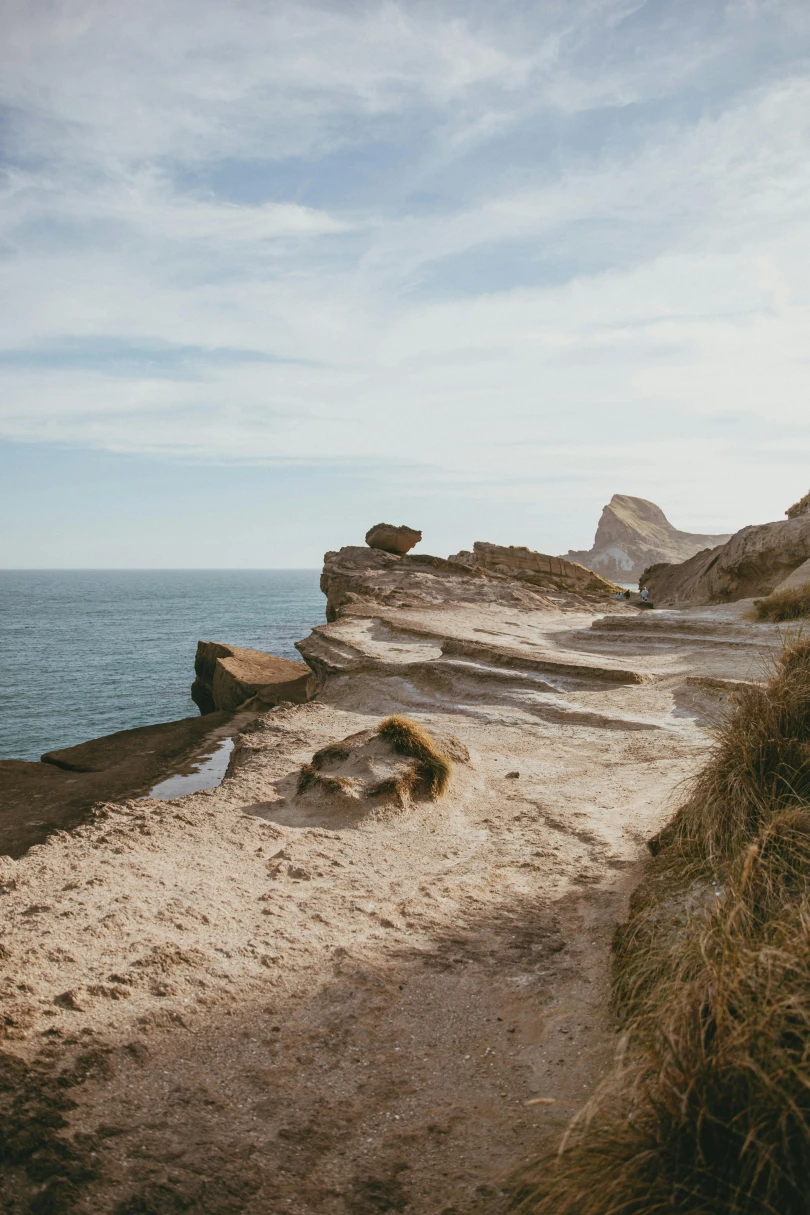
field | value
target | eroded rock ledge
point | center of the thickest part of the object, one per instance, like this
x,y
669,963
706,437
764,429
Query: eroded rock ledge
x,y
356,578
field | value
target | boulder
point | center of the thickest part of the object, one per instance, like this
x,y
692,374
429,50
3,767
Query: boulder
x,y
634,534
754,562
392,539
227,676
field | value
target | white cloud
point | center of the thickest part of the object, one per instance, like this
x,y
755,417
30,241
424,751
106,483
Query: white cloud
x,y
663,342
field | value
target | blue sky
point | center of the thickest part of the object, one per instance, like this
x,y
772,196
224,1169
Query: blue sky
x,y
273,272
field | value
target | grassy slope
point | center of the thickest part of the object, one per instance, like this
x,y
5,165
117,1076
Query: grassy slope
x,y
708,1109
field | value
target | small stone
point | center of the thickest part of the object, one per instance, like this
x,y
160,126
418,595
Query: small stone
x,y
512,776
68,999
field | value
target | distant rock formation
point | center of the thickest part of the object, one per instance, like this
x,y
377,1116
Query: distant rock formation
x,y
227,676
392,539
634,534
754,562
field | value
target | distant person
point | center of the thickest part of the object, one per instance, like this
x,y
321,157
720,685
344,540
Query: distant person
x,y
645,594
626,594
619,595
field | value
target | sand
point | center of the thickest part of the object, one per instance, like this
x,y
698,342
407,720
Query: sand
x,y
235,1005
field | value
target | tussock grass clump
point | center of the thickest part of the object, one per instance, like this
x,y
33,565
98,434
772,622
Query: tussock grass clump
x,y
708,1109
408,738
790,604
309,777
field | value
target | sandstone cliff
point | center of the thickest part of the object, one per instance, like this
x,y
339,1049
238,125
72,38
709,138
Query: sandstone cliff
x,y
634,534
755,561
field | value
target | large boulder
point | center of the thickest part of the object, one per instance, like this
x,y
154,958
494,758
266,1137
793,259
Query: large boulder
x,y
390,539
227,676
754,562
634,534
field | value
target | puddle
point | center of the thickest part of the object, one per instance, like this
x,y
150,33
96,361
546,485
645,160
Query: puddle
x,y
207,774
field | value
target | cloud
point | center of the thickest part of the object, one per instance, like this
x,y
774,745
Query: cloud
x,y
484,247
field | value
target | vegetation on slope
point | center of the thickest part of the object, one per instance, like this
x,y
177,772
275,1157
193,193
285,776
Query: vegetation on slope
x,y
708,1109
792,604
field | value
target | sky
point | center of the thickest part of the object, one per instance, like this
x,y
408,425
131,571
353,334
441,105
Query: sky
x,y
275,272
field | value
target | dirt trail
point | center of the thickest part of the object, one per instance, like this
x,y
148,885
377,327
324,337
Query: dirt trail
x,y
233,1010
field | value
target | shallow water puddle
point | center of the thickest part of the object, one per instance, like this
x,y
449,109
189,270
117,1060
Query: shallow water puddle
x,y
207,774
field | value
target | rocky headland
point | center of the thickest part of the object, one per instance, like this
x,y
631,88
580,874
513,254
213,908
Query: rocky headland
x,y
369,971
633,534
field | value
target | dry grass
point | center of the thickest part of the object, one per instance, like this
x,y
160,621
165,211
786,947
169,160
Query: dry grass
x,y
708,1109
434,768
792,604
309,777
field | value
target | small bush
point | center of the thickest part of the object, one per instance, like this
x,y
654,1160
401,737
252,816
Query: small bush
x,y
791,604
409,738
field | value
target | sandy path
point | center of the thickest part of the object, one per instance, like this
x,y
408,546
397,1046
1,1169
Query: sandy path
x,y
239,1012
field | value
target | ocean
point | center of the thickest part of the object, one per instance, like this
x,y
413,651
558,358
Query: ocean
x,y
87,652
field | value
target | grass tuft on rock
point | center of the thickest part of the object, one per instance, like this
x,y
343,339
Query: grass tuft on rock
x,y
707,1111
790,604
407,737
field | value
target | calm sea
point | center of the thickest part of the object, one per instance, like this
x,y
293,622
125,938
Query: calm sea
x,y
87,652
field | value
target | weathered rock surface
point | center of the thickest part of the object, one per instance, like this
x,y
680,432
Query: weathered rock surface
x,y
391,539
227,676
753,563
634,534
538,569
799,577
355,579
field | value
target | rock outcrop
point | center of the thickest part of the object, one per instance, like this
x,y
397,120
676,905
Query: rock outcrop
x,y
355,579
634,534
538,569
390,539
227,676
754,562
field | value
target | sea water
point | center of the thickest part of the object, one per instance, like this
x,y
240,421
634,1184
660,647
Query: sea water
x,y
87,652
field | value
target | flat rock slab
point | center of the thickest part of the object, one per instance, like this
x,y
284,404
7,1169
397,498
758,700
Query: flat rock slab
x,y
37,798
227,676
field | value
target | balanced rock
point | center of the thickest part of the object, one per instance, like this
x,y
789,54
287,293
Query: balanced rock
x,y
392,539
227,676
